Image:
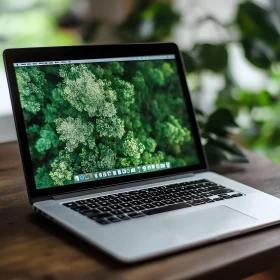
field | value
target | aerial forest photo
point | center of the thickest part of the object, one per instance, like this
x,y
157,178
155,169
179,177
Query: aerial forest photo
x,y
84,118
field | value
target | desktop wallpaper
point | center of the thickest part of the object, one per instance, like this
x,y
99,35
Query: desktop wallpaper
x,y
91,117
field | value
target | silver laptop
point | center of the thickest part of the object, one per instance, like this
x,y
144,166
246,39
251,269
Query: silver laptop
x,y
111,151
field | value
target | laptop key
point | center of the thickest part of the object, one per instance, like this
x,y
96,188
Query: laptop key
x,y
167,196
154,194
114,201
81,202
104,203
148,206
110,197
166,208
237,195
222,191
125,199
135,192
197,202
166,192
185,193
127,210
137,197
90,213
137,202
133,197
126,205
103,221
70,204
93,200
114,219
101,215
178,200
87,202
123,217
187,198
138,208
116,207
168,201
136,215
214,188
223,195
104,209
116,212
80,208
107,197
144,201
145,195
100,198
93,205
159,204
124,194
157,199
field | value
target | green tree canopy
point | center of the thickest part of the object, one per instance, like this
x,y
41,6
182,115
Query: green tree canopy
x,y
84,118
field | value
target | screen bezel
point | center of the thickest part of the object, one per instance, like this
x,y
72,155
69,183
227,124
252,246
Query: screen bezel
x,y
12,56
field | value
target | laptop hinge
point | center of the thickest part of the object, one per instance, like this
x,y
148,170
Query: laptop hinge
x,y
38,199
122,186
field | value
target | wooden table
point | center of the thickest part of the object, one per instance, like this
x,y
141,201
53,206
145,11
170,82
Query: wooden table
x,y
31,247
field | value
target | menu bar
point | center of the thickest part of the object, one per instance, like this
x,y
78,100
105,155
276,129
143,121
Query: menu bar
x,y
133,58
80,178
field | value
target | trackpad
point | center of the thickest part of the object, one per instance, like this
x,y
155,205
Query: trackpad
x,y
208,222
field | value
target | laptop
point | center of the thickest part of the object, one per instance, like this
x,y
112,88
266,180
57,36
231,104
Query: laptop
x,y
111,151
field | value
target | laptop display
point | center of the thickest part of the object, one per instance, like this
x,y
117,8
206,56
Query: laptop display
x,y
96,119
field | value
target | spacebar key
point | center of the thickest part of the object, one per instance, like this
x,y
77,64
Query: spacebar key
x,y
166,208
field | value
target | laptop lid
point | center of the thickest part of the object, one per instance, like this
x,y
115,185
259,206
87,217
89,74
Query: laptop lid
x,y
96,116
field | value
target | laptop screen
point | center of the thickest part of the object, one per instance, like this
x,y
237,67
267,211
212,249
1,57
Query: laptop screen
x,y
96,119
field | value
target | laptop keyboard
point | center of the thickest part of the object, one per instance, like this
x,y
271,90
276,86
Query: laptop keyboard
x,y
140,203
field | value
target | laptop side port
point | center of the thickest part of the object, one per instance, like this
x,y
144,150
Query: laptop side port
x,y
42,213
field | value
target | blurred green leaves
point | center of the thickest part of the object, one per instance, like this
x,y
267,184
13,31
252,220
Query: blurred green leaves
x,y
164,19
221,122
149,21
255,22
223,149
206,56
189,62
215,130
260,36
211,57
258,53
33,24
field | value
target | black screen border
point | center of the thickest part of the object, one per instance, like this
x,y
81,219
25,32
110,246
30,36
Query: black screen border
x,y
23,55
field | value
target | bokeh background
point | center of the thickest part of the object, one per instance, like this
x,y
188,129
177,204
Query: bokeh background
x,y
231,51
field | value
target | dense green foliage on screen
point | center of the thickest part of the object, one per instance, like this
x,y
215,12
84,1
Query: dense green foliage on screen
x,y
83,118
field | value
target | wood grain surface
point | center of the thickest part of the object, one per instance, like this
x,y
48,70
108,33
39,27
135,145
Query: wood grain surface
x,y
31,247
